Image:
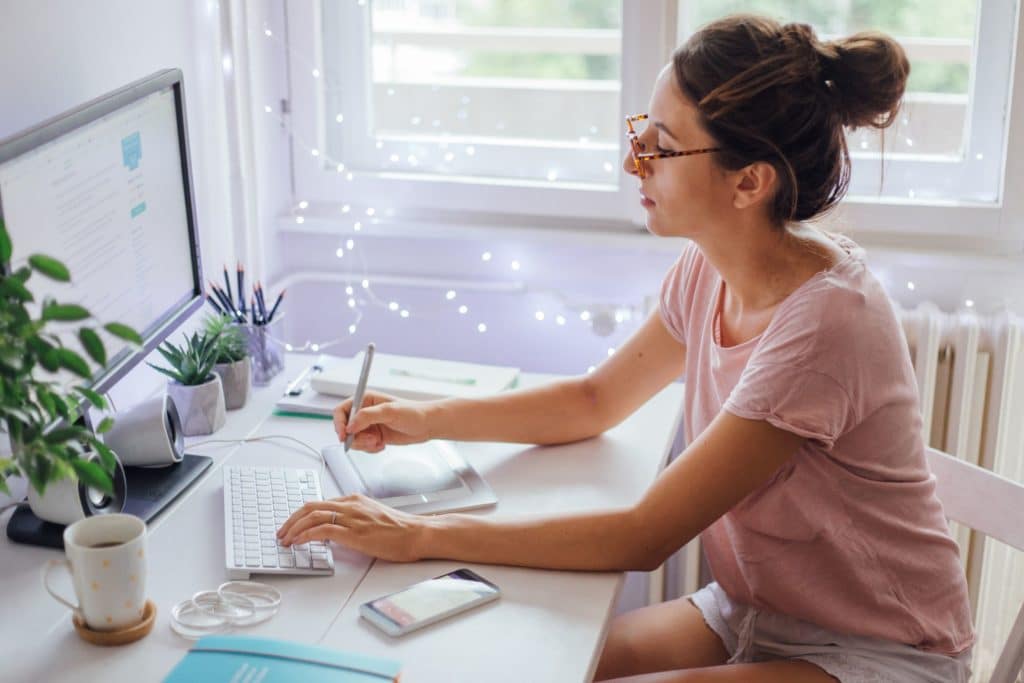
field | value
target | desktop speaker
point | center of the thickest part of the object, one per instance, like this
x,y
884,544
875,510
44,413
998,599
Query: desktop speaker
x,y
148,435
68,501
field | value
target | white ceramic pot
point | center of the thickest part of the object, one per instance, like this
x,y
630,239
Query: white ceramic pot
x,y
236,378
201,407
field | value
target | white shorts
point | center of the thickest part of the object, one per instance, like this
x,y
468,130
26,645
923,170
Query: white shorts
x,y
753,635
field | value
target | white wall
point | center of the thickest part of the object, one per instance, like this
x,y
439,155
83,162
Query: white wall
x,y
57,54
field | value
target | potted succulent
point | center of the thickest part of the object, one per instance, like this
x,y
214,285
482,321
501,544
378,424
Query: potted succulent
x,y
39,409
195,388
233,363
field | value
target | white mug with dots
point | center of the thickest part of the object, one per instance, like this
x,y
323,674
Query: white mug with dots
x,y
106,557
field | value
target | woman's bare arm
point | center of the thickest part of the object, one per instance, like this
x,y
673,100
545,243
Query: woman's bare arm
x,y
572,409
722,466
728,461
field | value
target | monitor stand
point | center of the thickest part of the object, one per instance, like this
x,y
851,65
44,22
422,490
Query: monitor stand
x,y
148,491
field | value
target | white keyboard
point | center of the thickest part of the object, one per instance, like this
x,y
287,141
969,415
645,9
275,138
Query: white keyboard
x,y
257,501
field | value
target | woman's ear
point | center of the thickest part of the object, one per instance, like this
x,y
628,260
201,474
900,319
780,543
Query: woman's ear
x,y
754,184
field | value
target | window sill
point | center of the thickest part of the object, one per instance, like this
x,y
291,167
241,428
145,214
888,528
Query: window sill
x,y
953,227
328,219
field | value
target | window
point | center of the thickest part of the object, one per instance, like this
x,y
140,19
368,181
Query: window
x,y
517,107
510,99
523,90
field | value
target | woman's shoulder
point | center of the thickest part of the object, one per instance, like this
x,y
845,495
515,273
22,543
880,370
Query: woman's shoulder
x,y
692,270
688,283
841,309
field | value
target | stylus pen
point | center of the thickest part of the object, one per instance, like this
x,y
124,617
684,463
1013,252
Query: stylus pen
x,y
357,398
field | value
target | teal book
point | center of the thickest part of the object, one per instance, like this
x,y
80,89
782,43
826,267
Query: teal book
x,y
224,659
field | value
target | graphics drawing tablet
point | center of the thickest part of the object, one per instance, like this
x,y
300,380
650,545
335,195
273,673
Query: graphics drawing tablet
x,y
424,478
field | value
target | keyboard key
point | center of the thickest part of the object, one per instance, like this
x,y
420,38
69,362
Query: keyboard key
x,y
257,502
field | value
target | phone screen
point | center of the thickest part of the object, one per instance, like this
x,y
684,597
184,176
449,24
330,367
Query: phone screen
x,y
430,598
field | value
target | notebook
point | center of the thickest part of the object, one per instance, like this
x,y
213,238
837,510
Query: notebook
x,y
416,378
300,400
219,659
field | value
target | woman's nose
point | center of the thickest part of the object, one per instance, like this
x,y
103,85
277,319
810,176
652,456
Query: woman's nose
x,y
629,165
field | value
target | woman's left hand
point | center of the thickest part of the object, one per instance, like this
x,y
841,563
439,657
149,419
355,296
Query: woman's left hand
x,y
359,523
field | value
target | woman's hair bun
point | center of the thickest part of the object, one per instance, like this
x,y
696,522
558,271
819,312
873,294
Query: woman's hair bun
x,y
776,93
867,74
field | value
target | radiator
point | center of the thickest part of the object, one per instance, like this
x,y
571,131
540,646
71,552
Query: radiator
x,y
970,377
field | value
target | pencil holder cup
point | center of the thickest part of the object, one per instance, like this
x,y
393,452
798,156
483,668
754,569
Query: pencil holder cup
x,y
267,354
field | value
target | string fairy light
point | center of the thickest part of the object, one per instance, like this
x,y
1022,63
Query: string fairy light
x,y
602,321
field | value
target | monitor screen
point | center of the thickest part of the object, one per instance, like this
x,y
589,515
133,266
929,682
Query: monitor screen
x,y
106,190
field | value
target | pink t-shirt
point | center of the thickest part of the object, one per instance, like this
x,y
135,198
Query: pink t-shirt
x,y
848,534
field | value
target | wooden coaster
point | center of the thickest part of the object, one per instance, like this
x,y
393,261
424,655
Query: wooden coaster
x,y
122,637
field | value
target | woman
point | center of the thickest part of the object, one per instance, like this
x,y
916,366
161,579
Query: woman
x,y
805,474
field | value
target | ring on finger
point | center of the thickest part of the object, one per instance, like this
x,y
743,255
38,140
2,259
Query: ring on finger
x,y
334,517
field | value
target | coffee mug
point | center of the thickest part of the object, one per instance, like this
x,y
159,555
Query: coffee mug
x,y
106,557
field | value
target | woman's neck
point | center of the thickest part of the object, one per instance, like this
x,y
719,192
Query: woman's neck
x,y
762,265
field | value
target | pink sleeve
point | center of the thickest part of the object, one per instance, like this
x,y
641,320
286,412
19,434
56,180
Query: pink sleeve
x,y
796,399
676,293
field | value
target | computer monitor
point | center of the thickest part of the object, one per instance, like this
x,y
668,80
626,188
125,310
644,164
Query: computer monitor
x,y
107,189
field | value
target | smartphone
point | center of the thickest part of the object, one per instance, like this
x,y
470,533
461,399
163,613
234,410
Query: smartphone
x,y
429,601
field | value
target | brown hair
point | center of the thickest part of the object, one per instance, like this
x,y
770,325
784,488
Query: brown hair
x,y
775,93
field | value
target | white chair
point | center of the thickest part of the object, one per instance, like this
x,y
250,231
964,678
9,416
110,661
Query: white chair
x,y
991,504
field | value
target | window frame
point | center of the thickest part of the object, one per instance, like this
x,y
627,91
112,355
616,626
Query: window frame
x,y
647,40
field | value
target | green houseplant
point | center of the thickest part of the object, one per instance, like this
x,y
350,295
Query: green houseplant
x,y
38,413
233,363
194,387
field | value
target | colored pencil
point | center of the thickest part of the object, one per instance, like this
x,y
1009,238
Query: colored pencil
x,y
210,300
227,287
261,301
273,308
240,277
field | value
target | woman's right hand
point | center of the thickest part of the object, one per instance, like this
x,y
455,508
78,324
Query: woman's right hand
x,y
381,421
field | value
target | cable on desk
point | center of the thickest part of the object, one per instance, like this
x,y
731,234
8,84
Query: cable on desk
x,y
323,465
269,437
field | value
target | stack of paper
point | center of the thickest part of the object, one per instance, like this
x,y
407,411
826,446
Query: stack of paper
x,y
416,378
299,398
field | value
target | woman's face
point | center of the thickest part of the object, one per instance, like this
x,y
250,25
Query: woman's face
x,y
683,196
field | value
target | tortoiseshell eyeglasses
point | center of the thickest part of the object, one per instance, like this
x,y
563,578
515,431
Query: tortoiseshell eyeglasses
x,y
639,156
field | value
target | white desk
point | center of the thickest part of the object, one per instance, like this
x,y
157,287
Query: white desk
x,y
548,625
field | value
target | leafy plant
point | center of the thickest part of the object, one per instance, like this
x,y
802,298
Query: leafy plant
x,y
231,345
192,363
40,415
